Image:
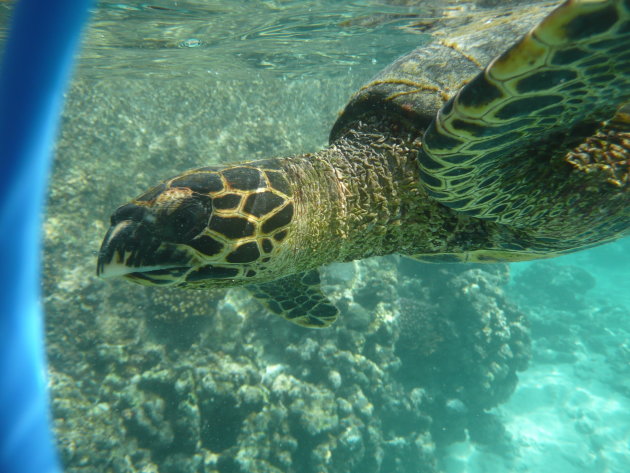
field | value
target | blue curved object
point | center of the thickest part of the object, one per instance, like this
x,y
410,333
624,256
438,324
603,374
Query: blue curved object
x,y
33,76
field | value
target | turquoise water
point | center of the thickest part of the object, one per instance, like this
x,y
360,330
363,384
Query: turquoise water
x,y
431,368
236,39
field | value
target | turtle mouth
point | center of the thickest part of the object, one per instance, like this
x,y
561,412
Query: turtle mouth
x,y
159,277
129,250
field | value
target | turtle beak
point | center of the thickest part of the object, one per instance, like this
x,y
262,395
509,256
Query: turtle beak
x,y
111,256
129,249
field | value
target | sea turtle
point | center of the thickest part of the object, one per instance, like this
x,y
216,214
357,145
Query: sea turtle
x,y
436,158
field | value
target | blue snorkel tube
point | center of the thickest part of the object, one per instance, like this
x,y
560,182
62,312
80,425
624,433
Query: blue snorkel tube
x,y
35,67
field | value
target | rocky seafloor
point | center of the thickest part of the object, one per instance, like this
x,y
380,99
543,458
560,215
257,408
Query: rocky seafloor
x,y
217,385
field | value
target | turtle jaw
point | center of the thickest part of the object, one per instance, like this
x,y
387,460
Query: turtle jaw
x,y
130,251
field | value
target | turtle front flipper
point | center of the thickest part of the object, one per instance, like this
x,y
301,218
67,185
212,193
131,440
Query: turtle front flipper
x,y
531,141
298,298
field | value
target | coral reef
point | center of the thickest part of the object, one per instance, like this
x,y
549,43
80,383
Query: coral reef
x,y
554,285
244,391
463,340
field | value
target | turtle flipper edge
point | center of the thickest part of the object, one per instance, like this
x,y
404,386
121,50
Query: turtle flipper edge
x,y
491,151
297,298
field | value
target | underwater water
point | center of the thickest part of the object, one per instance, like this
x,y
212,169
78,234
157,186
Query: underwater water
x,y
430,368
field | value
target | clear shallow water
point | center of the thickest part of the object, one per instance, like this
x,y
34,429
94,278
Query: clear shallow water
x,y
608,264
137,373
238,38
233,39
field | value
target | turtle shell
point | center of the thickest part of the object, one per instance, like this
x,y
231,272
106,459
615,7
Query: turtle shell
x,y
415,86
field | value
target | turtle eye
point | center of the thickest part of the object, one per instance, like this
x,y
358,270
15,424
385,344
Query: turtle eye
x,y
183,223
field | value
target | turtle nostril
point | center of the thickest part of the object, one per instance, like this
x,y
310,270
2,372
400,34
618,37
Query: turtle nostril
x,y
128,212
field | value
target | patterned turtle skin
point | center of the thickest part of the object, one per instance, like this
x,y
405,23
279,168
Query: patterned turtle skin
x,y
437,158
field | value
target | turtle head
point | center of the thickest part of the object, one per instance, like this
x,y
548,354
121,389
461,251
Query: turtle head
x,y
209,227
